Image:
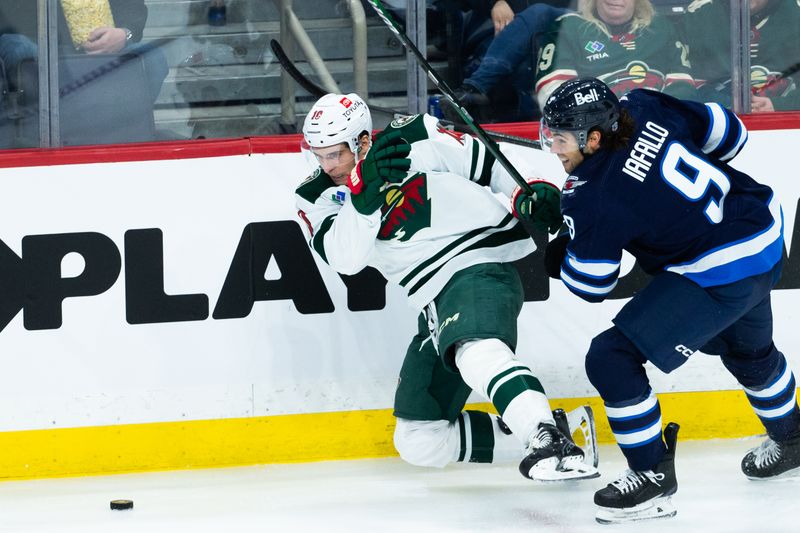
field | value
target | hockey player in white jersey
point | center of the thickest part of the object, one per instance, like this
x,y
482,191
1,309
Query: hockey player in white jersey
x,y
417,206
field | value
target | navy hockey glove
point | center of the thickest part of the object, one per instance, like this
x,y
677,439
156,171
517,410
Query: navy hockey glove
x,y
542,209
554,254
388,157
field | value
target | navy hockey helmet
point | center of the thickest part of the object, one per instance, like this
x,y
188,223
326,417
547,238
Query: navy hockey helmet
x,y
578,106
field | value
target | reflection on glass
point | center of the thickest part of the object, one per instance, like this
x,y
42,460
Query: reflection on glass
x,y
144,70
19,103
774,52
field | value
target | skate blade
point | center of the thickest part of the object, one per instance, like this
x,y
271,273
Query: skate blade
x,y
550,469
584,433
657,508
789,475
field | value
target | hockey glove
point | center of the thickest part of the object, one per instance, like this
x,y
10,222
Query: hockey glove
x,y
367,189
554,254
542,208
388,157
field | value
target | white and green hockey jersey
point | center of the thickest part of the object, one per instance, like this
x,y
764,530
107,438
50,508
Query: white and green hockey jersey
x,y
441,219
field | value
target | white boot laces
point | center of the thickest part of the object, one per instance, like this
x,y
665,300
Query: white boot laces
x,y
631,480
542,439
767,453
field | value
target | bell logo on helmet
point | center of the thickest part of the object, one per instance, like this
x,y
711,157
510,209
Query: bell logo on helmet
x,y
588,98
346,102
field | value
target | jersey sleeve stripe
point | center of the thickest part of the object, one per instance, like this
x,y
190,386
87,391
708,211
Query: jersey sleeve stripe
x,y
486,172
476,153
717,127
585,288
674,77
593,269
557,77
727,133
740,141
318,240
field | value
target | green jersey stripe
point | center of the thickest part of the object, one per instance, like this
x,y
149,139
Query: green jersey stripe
x,y
501,375
514,387
486,172
462,432
474,164
500,238
482,437
444,251
490,241
318,240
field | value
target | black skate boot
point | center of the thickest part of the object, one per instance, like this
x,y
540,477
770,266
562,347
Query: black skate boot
x,y
642,495
773,460
552,456
560,416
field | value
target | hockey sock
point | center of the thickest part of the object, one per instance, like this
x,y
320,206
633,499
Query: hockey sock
x,y
775,402
490,368
637,427
484,441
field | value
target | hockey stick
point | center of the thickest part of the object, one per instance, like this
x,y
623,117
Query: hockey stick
x,y
490,145
318,92
785,73
312,88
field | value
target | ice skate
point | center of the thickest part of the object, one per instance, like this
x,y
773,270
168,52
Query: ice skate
x,y
551,455
579,426
642,495
773,460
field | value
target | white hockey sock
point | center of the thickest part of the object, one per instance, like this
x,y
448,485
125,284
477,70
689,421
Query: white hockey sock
x,y
491,369
484,441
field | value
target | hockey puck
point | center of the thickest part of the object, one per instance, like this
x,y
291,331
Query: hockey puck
x,y
121,505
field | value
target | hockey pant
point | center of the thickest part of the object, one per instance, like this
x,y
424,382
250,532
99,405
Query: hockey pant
x,y
665,324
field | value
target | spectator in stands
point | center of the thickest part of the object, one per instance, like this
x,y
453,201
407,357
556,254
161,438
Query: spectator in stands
x,y
108,27
508,62
622,42
774,52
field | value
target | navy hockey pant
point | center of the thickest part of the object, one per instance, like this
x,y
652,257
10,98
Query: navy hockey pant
x,y
665,324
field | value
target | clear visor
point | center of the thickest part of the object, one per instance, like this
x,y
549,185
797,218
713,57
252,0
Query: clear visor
x,y
558,141
308,155
327,158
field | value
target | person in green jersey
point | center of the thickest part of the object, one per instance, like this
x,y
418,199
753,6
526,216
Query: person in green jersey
x,y
417,205
774,52
621,42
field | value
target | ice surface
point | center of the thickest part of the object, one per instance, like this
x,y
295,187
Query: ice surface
x,y
387,495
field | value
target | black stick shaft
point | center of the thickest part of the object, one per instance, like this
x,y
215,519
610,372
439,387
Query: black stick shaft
x,y
318,92
491,146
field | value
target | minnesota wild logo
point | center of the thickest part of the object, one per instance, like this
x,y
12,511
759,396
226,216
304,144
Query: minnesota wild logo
x,y
407,209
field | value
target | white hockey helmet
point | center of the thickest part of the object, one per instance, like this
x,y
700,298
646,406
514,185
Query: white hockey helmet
x,y
337,118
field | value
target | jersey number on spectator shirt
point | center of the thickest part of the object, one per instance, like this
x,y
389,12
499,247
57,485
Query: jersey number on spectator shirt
x,y
546,56
692,176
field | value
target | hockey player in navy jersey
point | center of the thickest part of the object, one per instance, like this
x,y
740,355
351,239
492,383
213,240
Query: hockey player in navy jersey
x,y
649,174
416,205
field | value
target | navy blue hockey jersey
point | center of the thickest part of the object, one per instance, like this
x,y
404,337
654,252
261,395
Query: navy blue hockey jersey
x,y
671,200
